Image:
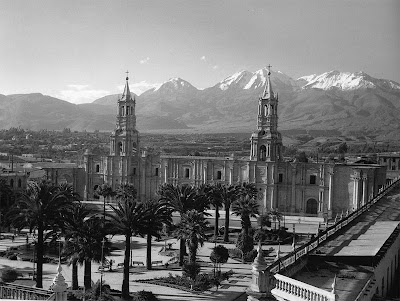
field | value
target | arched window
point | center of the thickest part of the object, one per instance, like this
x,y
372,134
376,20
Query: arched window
x,y
265,110
97,167
187,173
263,152
19,183
119,148
312,206
219,175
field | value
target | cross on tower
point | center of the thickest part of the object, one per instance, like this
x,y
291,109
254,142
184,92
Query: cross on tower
x,y
127,72
269,69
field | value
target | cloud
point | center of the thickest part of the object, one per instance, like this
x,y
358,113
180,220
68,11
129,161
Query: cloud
x,y
78,94
140,87
78,87
203,58
145,60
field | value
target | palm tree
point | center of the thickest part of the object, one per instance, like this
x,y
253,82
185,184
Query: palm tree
x,y
105,191
192,231
183,198
227,195
129,217
245,207
43,206
6,194
248,189
73,223
159,214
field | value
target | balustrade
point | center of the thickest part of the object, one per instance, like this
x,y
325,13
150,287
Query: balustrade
x,y
287,286
20,292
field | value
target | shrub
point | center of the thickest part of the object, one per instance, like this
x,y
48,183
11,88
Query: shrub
x,y
191,270
219,254
12,257
9,275
245,243
144,296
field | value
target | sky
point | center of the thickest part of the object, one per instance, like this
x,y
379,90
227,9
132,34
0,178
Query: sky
x,y
80,50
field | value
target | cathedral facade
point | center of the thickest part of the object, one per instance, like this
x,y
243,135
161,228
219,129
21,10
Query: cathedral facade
x,y
293,188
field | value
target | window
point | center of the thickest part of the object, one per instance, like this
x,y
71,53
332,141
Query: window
x,y
187,173
313,179
280,178
19,183
134,171
156,172
11,183
263,153
219,175
97,167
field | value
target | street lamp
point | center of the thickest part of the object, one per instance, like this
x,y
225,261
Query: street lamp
x,y
102,267
34,253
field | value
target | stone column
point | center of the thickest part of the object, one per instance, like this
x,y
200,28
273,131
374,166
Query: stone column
x,y
365,189
166,173
356,179
330,198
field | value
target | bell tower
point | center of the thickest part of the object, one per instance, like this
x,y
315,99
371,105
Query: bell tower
x,y
125,139
266,142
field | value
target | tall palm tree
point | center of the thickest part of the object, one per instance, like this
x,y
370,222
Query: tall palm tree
x,y
6,195
227,194
86,241
183,198
73,224
129,217
43,206
245,207
248,189
159,214
192,230
212,193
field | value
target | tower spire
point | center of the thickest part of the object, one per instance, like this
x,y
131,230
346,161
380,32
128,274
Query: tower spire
x,y
268,93
127,92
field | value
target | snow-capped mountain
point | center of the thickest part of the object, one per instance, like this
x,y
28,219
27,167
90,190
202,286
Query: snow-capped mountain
x,y
345,81
173,85
339,101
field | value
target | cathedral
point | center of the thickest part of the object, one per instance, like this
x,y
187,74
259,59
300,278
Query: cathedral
x,y
293,188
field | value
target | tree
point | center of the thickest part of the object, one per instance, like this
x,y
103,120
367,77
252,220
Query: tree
x,y
245,207
213,196
43,206
219,255
159,214
6,194
129,217
191,230
183,199
227,195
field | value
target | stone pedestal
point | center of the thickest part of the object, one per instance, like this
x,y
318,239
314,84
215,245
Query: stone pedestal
x,y
262,281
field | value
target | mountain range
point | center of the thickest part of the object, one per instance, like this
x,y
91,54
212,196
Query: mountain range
x,y
343,102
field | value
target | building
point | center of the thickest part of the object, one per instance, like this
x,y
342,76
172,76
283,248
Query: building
x,y
294,188
392,162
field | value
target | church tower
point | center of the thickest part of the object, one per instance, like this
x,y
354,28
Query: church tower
x,y
266,142
125,139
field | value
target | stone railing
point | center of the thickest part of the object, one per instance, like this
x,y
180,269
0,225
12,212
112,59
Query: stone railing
x,y
20,292
290,289
303,250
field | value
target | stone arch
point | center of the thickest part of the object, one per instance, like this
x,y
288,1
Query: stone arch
x,y
119,148
65,179
263,153
312,206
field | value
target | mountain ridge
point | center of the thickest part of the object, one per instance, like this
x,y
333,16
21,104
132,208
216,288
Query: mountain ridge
x,y
343,101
